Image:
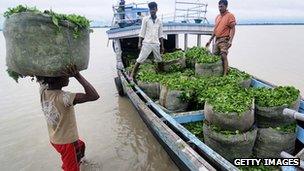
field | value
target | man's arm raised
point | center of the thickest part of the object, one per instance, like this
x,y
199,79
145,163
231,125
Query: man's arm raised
x,y
90,92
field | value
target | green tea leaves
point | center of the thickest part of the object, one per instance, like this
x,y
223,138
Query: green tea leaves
x,y
278,96
201,55
80,22
14,75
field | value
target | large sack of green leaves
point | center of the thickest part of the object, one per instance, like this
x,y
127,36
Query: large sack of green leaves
x,y
271,142
209,69
270,104
151,89
38,45
174,65
174,61
171,100
228,144
231,121
273,116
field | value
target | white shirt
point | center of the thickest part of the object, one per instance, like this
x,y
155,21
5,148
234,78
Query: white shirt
x,y
151,32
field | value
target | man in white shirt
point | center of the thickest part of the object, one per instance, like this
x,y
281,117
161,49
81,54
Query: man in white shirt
x,y
150,39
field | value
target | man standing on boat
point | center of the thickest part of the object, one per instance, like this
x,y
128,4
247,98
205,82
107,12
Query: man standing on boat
x,y
150,39
224,31
121,9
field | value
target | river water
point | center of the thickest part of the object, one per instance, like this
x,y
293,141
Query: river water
x,y
115,135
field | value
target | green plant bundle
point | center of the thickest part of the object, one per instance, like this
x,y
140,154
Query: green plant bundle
x,y
175,68
188,73
235,74
181,81
196,52
290,128
148,67
178,81
14,75
204,84
223,93
208,58
229,99
195,128
173,55
278,96
149,77
201,55
79,21
19,9
148,74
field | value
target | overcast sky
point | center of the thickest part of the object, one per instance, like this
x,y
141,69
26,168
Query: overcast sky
x,y
267,10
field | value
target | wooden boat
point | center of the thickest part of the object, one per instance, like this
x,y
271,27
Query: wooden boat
x,y
186,150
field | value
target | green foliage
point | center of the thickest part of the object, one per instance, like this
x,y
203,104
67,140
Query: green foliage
x,y
271,97
195,128
148,74
80,22
205,87
201,55
208,58
175,68
173,55
229,99
196,52
181,82
223,93
192,87
235,74
290,128
14,75
177,81
19,9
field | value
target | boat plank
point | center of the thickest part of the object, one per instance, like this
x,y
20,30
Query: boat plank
x,y
189,117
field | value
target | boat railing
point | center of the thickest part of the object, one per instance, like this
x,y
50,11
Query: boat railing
x,y
186,11
129,14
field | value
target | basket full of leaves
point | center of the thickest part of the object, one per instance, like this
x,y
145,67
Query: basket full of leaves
x,y
43,43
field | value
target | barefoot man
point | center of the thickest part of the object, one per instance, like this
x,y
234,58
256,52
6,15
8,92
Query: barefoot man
x,y
224,31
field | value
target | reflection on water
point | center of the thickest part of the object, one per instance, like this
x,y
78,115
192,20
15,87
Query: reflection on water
x,y
134,138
